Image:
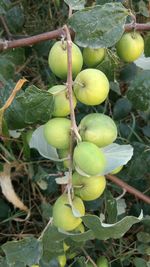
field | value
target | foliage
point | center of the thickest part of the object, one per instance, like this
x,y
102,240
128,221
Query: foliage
x,y
112,224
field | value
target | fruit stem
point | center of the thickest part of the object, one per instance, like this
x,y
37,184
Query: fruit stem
x,y
74,128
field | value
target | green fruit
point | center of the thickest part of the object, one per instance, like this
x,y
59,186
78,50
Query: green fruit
x,y
99,129
102,262
63,216
88,188
116,170
64,153
61,100
89,158
130,46
92,57
62,260
57,132
91,87
80,229
57,59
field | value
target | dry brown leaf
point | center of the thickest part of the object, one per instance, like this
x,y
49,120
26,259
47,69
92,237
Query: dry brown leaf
x,y
8,190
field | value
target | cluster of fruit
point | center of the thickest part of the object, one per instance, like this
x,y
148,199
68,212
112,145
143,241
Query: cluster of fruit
x,y
90,87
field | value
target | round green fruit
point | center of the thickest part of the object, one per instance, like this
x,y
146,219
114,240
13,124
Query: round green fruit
x,y
64,153
102,262
61,100
80,229
92,57
62,260
63,216
130,46
118,169
57,132
99,129
88,188
57,59
89,158
91,87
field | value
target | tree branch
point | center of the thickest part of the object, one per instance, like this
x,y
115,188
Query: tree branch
x,y
128,188
28,41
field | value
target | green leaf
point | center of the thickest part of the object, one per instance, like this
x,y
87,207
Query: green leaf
x,y
105,231
122,108
7,68
143,9
108,66
143,237
139,93
138,262
110,207
75,4
99,26
16,55
15,18
24,252
52,243
32,106
147,46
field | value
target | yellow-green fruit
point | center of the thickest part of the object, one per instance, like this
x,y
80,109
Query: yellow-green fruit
x,y
118,169
65,246
92,57
99,129
72,255
35,265
57,59
130,46
57,132
91,87
80,229
88,188
62,260
64,153
63,216
61,100
102,262
89,158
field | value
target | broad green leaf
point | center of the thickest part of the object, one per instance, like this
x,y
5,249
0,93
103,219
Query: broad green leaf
x,y
143,9
16,55
143,237
122,108
7,68
147,46
139,93
110,207
143,62
15,18
75,4
108,66
38,142
139,262
104,231
99,26
26,252
116,155
32,106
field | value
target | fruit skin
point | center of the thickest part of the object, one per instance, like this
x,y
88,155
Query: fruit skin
x,y
130,46
102,262
89,158
57,59
61,211
99,129
91,87
62,260
61,101
118,169
91,187
64,153
92,57
57,132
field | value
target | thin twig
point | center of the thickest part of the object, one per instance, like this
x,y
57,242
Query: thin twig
x,y
128,188
89,258
5,27
46,227
28,41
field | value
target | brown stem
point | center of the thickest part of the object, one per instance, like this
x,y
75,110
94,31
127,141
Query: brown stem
x,y
4,45
128,188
